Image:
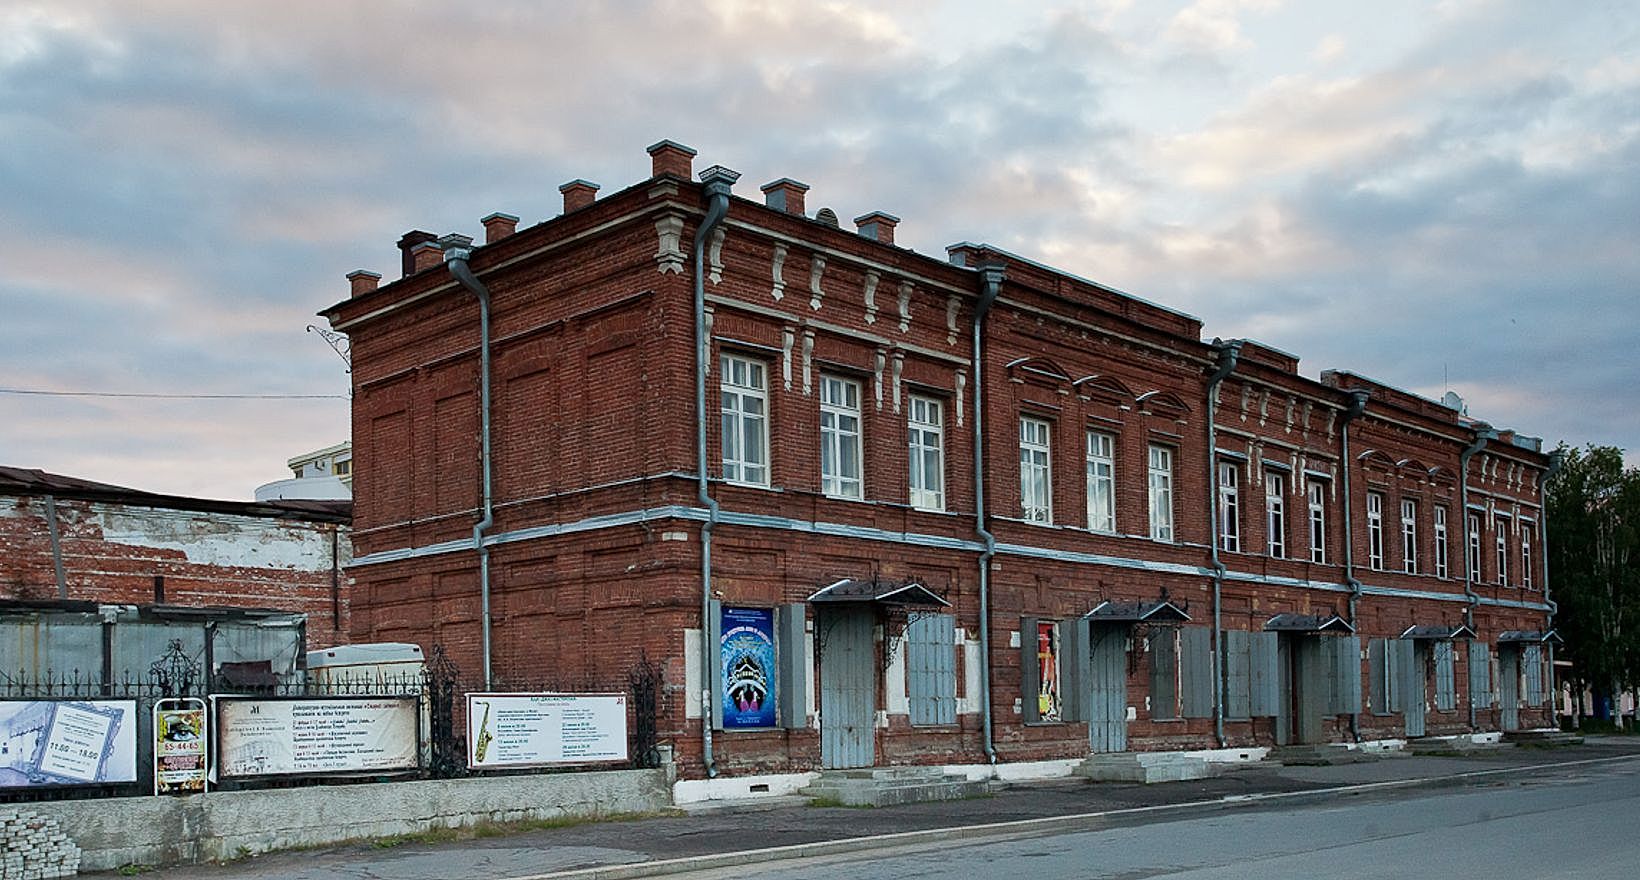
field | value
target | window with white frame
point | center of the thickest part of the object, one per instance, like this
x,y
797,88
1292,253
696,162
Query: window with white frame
x,y
1409,535
1161,493
745,411
1229,506
1473,521
1317,497
1275,512
926,430
839,437
1036,504
1440,542
1526,527
1500,531
1375,531
1101,482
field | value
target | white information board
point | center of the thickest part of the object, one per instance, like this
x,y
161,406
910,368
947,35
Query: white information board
x,y
67,742
331,735
525,730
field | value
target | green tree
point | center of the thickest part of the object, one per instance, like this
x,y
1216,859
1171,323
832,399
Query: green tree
x,y
1594,560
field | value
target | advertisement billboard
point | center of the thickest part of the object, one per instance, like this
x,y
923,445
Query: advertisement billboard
x,y
67,742
315,736
530,730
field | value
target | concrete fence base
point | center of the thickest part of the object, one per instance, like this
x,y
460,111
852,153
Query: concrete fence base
x,y
224,825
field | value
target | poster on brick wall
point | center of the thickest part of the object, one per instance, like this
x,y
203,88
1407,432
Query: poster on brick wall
x,y
298,737
535,730
67,742
747,675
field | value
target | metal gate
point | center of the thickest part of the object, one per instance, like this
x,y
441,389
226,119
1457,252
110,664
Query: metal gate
x,y
1107,683
1509,686
848,687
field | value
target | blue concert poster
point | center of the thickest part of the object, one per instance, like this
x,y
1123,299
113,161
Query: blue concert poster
x,y
747,648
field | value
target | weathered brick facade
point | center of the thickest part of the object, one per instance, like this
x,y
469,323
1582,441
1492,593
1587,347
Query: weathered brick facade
x,y
596,547
124,547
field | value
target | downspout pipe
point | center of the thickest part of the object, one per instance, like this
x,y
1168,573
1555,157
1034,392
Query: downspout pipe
x,y
718,181
1227,354
1483,434
1357,406
1557,460
991,278
456,253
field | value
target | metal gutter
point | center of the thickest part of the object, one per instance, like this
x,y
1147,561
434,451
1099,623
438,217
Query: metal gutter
x,y
457,250
1357,406
991,276
1483,433
1227,352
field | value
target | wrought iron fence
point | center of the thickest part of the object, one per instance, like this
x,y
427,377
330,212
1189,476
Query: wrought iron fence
x,y
440,687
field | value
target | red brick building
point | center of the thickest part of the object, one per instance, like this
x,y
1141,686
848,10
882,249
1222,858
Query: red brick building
x,y
954,510
70,540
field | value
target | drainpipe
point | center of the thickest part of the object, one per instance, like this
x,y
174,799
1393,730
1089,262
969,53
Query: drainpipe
x,y
56,546
991,276
1358,405
1557,460
718,181
1483,433
1227,353
456,252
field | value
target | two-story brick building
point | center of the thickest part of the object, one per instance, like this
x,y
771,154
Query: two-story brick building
x,y
872,507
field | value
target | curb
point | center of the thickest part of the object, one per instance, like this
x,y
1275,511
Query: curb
x,y
1011,829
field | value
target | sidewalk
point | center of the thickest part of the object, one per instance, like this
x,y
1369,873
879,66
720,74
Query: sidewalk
x,y
644,845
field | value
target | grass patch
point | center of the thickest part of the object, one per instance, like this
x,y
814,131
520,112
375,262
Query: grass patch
x,y
133,869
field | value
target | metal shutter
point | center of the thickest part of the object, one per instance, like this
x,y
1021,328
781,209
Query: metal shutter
x,y
1238,697
1265,656
1196,672
930,668
1406,680
792,679
1029,685
1446,697
1344,674
1164,673
1480,675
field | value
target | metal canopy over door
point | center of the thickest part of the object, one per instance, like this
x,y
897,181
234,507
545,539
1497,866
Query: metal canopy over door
x,y
1306,673
1107,683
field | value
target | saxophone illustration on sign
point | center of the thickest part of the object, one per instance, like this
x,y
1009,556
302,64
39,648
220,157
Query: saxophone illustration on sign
x,y
484,737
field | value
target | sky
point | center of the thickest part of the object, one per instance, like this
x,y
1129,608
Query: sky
x,y
1441,196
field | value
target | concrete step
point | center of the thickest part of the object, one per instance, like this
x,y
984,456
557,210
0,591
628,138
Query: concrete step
x,y
1543,737
1461,744
1145,767
887,786
1320,755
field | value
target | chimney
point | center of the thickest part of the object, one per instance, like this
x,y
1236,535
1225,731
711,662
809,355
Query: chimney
x,y
425,255
877,225
579,193
786,195
407,243
498,226
363,281
671,157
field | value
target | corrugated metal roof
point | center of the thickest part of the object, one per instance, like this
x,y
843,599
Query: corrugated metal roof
x,y
30,481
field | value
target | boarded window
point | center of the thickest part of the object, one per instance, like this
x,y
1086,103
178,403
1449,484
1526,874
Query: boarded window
x,y
1238,696
1196,693
1531,667
930,668
1342,656
1264,655
1378,676
1164,673
1446,697
1480,675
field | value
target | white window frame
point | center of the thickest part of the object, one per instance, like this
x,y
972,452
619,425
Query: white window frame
x,y
840,436
1526,527
1473,561
1275,513
925,431
1375,531
1101,459
1409,535
1500,531
1441,569
1316,496
1229,506
1036,469
1160,484
744,401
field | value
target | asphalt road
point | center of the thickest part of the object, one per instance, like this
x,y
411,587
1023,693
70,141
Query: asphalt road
x,y
1564,823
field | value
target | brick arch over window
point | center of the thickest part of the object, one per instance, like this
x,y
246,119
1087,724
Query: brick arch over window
x,y
1413,469
1442,476
1373,459
1108,389
1038,371
1163,403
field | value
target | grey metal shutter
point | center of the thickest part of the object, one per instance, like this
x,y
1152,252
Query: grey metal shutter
x,y
1405,682
1196,672
1480,675
1531,661
1345,675
1446,697
1075,669
714,650
1265,656
792,656
931,671
1029,684
1164,672
1238,696
1377,676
